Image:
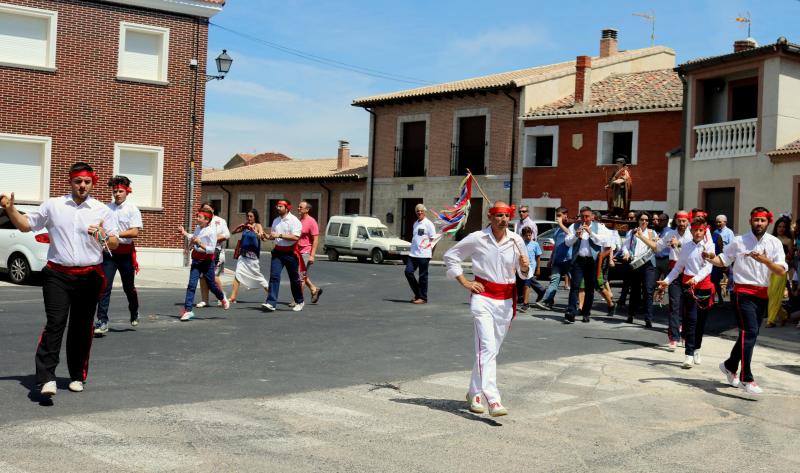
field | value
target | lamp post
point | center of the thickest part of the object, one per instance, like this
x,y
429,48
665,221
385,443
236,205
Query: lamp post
x,y
223,66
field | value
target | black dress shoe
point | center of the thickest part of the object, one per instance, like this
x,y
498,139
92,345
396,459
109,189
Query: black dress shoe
x,y
648,324
585,319
630,319
569,318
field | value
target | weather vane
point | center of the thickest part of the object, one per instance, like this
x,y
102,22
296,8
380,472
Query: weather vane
x,y
745,19
651,18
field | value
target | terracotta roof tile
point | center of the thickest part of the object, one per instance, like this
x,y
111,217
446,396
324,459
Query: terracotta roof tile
x,y
791,148
639,91
264,157
518,78
294,170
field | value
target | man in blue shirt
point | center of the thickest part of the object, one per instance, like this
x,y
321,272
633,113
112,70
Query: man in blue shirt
x,y
560,260
534,253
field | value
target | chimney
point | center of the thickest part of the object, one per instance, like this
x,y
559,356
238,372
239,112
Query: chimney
x,y
744,45
608,42
343,156
583,79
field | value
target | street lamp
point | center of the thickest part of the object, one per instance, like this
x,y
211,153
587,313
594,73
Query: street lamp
x,y
223,66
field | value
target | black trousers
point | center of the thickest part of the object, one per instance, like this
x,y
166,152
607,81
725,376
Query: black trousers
x,y
750,312
69,300
419,288
694,317
643,281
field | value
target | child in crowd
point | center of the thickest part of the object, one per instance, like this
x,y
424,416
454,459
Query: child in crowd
x,y
204,241
534,253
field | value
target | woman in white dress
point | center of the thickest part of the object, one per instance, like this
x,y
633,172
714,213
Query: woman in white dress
x,y
248,268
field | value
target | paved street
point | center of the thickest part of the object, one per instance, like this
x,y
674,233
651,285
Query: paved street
x,y
368,382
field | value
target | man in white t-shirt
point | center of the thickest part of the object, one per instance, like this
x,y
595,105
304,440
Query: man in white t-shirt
x,y
129,221
286,230
420,255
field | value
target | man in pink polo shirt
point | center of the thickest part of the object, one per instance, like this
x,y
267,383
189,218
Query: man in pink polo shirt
x,y
307,244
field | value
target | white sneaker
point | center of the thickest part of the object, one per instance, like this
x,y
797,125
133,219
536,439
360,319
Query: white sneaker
x,y
475,405
496,409
751,387
298,307
696,357
268,307
201,304
49,389
672,345
687,362
76,386
187,316
226,304
731,377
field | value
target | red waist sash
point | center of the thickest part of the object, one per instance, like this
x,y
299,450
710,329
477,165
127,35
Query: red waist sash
x,y
705,284
128,249
496,291
757,291
672,263
202,256
81,271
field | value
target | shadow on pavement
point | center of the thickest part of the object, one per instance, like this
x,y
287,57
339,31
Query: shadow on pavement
x,y
624,341
29,383
791,369
447,405
709,386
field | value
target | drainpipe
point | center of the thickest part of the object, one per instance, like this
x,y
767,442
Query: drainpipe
x,y
328,204
228,211
372,158
514,131
684,141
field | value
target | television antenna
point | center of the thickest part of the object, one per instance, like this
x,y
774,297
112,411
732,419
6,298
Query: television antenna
x,y
745,19
650,17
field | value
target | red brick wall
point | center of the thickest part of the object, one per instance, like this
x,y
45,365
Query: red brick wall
x,y
85,109
578,177
501,110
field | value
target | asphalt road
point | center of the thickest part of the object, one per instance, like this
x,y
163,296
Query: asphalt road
x,y
332,387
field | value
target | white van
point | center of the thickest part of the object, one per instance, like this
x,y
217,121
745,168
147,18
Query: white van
x,y
362,237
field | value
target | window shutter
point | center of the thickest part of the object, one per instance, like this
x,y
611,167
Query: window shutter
x,y
22,165
23,39
140,168
141,57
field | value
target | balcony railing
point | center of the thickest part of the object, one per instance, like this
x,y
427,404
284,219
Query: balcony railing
x,y
726,140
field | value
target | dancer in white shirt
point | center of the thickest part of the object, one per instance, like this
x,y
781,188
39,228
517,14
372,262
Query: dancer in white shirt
x,y
757,255
497,255
286,230
79,226
204,242
694,274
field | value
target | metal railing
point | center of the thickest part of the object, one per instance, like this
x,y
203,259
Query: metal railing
x,y
726,139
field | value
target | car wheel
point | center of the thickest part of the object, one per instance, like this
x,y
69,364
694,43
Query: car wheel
x,y
19,270
377,256
361,259
333,255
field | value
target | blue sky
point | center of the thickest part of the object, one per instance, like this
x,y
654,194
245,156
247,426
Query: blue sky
x,y
274,101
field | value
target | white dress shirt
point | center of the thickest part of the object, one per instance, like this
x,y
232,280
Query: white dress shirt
x,y
128,216
289,225
664,241
527,222
492,261
207,236
68,226
639,247
584,249
691,261
423,234
747,270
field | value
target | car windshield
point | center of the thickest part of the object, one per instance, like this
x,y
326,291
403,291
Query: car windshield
x,y
378,232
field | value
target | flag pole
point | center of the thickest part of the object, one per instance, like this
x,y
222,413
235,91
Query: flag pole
x,y
480,189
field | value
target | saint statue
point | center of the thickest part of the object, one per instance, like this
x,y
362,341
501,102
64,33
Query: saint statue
x,y
619,189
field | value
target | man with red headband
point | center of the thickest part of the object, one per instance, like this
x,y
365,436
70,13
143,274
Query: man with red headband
x,y
757,255
129,222
498,255
79,226
286,231
694,274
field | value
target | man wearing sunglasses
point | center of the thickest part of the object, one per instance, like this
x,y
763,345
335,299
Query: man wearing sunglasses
x,y
525,221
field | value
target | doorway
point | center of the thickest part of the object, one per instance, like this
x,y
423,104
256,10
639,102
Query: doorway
x,y
720,200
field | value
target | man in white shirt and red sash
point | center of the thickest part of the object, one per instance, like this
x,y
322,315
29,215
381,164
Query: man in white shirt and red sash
x,y
757,255
79,227
286,230
694,275
129,222
497,254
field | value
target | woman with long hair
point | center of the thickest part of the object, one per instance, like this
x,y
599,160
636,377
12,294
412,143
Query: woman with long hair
x,y
777,285
248,267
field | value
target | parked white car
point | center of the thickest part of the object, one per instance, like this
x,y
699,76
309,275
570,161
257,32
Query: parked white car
x,y
21,254
362,237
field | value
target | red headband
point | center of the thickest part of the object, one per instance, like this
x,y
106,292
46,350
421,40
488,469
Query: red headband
x,y
698,226
503,209
285,204
123,187
207,215
699,213
767,215
84,173
682,214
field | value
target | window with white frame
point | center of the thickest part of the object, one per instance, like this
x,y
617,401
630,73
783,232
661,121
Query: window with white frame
x,y
143,53
25,161
541,146
617,139
144,166
27,37
246,203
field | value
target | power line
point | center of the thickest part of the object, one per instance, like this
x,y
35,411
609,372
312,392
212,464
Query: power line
x,y
328,62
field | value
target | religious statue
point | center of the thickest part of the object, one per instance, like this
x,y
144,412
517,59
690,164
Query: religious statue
x,y
619,189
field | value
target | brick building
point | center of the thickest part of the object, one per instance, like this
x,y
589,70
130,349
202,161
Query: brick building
x,y
569,146
115,84
332,187
422,140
